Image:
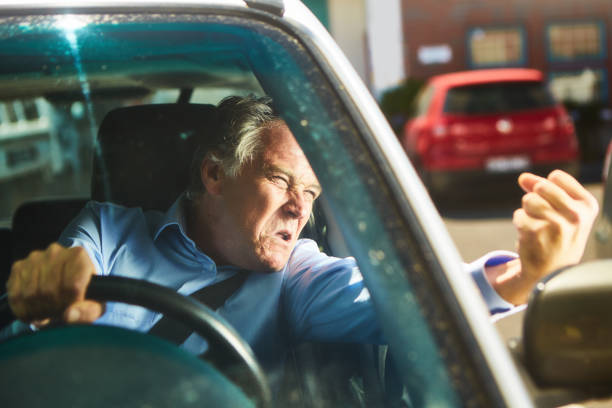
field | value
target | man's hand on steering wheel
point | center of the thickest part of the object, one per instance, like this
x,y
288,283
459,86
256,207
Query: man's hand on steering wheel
x,y
51,285
224,344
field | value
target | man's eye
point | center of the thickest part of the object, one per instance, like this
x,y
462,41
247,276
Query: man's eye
x,y
280,181
311,194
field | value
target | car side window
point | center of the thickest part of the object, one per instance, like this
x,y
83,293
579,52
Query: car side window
x,y
423,100
153,60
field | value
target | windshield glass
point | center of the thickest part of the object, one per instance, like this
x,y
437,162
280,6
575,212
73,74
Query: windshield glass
x,y
62,75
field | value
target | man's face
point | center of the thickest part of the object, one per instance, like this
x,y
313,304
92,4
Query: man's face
x,y
267,205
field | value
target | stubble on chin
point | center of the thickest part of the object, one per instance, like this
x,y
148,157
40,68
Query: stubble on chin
x,y
272,260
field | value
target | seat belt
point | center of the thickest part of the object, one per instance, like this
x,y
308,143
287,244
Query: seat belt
x,y
213,296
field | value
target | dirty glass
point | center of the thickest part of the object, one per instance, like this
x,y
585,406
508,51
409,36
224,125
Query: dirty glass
x,y
62,74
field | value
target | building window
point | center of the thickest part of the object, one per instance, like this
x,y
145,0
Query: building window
x,y
575,41
584,87
492,47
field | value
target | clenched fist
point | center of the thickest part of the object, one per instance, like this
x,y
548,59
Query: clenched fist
x,y
51,285
553,224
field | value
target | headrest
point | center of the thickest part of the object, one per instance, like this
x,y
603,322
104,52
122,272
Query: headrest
x,y
36,224
145,153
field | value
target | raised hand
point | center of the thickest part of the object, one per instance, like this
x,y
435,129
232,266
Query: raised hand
x,y
553,224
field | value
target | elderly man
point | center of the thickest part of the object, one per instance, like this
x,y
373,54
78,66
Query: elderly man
x,y
249,198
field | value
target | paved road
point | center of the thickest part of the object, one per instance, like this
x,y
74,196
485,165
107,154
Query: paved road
x,y
477,231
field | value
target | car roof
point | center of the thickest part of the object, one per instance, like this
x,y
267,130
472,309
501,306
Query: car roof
x,y
481,76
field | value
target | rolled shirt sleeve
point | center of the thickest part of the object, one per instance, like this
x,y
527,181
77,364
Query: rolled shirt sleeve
x,y
495,303
325,299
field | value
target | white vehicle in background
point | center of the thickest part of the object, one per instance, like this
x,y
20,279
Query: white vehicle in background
x,y
28,139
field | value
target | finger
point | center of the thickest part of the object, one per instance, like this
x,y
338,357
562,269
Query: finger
x,y
542,214
77,272
85,311
521,220
572,187
568,183
23,290
527,181
28,275
13,283
51,276
529,227
531,242
13,289
517,218
536,206
557,198
41,323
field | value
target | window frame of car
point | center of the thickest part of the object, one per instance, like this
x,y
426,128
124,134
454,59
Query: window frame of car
x,y
476,362
495,378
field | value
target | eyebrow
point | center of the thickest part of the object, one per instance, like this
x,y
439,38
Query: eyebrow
x,y
270,168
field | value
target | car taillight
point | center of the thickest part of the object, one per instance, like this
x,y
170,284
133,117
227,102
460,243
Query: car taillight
x,y
440,131
458,130
422,143
566,123
550,123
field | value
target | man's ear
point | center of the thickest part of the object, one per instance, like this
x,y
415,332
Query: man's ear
x,y
212,176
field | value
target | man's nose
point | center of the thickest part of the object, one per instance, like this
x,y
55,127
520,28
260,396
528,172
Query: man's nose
x,y
297,206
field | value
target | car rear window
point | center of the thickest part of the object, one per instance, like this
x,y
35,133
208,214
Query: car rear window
x,y
497,98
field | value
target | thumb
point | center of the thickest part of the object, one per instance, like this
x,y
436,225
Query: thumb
x,y
84,311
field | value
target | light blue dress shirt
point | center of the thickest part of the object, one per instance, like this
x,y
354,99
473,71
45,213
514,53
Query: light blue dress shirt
x,y
315,297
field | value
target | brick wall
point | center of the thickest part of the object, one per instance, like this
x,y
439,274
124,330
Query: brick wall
x,y
448,22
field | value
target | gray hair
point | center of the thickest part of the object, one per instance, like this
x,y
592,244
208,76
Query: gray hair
x,y
237,137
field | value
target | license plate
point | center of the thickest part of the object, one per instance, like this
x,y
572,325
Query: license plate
x,y
507,164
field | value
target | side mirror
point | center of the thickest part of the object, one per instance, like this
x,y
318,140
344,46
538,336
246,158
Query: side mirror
x,y
567,332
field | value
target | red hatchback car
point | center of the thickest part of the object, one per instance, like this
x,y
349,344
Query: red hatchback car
x,y
484,125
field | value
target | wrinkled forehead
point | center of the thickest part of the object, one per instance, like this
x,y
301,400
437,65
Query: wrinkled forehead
x,y
281,150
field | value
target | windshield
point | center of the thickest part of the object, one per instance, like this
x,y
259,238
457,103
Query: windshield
x,y
63,74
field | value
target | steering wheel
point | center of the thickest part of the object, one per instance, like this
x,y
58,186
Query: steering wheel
x,y
221,338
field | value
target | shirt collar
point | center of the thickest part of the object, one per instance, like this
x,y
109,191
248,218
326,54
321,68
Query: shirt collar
x,y
174,217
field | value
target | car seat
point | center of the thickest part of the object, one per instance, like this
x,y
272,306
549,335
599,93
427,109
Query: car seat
x,y
145,153
142,159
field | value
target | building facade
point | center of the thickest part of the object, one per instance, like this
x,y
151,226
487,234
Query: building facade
x,y
570,40
370,35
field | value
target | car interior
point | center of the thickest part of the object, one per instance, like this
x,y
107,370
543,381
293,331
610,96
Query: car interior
x,y
141,157
143,146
